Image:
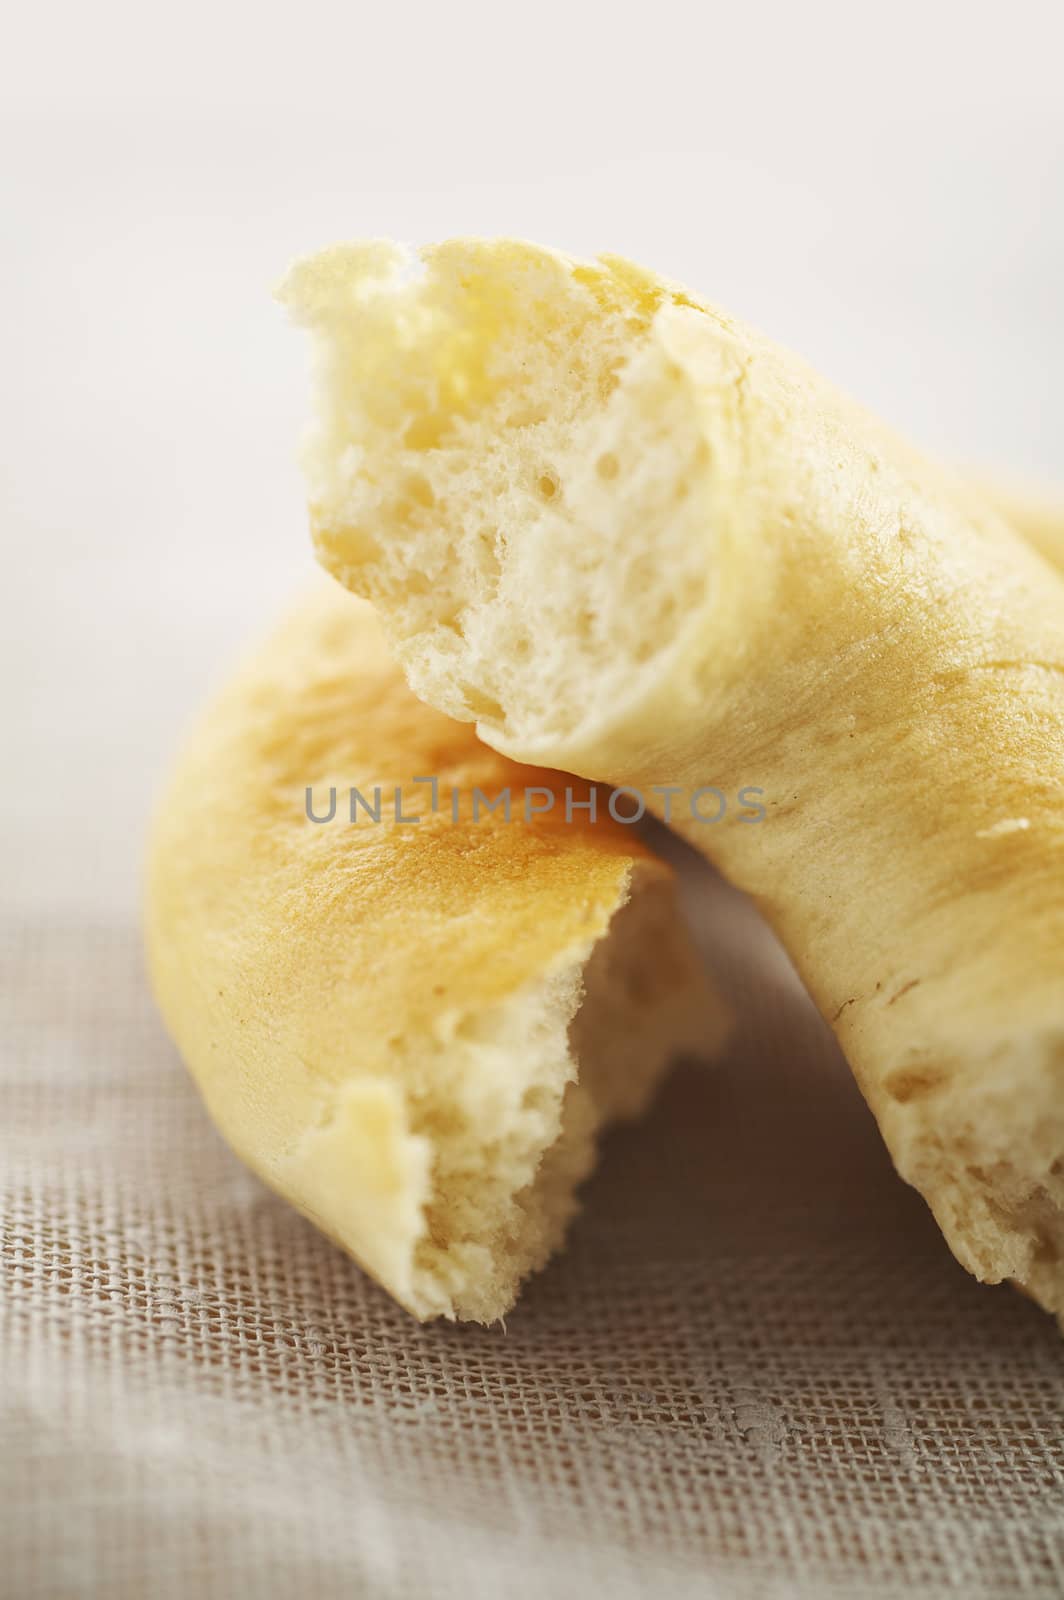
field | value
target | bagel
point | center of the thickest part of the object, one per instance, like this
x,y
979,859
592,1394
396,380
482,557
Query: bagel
x,y
410,1028
629,536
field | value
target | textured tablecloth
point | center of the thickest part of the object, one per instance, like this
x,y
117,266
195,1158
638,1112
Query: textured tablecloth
x,y
755,1372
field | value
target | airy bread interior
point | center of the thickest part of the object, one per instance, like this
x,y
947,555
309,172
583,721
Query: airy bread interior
x,y
509,1105
492,389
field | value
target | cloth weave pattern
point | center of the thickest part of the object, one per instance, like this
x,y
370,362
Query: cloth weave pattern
x,y
755,1373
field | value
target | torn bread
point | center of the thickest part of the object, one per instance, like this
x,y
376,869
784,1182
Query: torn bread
x,y
412,1029
631,537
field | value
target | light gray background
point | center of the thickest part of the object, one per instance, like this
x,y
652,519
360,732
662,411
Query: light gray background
x,y
879,187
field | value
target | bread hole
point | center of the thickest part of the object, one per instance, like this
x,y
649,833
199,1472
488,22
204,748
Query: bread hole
x,y
479,1027
487,561
482,706
913,1083
537,1097
548,485
425,432
449,621
418,491
607,466
344,554
522,647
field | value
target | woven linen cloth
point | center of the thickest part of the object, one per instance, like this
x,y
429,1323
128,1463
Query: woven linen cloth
x,y
755,1372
